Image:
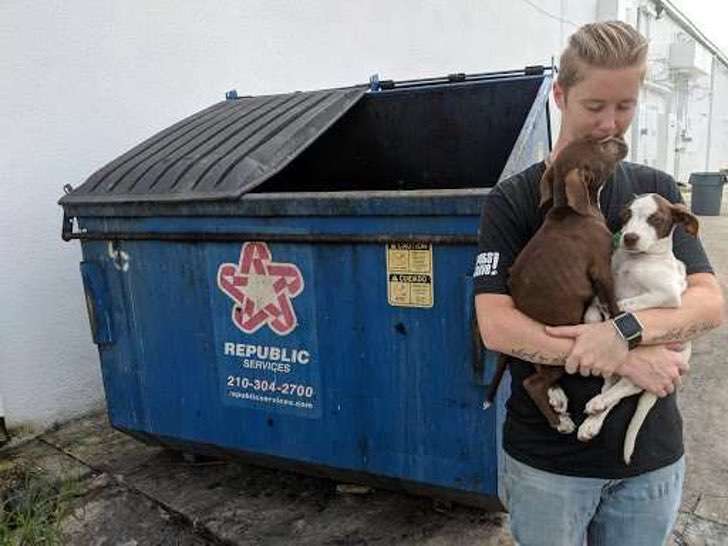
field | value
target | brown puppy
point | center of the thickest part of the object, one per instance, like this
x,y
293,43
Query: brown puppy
x,y
567,261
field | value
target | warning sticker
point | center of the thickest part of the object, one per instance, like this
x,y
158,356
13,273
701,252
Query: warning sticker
x,y
409,274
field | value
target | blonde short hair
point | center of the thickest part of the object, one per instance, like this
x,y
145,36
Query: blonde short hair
x,y
607,44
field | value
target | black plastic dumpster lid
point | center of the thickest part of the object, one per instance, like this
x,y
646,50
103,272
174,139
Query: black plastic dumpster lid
x,y
219,153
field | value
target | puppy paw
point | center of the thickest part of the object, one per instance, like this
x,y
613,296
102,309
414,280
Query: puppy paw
x,y
566,425
589,428
595,405
558,399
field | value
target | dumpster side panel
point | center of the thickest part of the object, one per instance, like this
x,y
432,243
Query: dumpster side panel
x,y
354,382
119,360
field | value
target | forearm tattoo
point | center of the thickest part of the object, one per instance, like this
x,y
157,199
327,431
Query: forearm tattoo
x,y
537,357
685,334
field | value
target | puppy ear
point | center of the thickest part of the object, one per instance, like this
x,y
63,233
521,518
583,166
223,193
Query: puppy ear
x,y
681,215
577,192
546,188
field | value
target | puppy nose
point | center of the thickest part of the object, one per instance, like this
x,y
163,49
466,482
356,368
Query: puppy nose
x,y
630,239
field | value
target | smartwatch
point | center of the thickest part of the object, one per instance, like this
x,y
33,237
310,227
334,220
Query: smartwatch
x,y
629,328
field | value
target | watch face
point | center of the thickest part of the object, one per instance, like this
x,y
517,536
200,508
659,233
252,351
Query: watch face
x,y
628,325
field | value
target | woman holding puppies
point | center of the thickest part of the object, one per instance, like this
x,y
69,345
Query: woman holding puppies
x,y
559,490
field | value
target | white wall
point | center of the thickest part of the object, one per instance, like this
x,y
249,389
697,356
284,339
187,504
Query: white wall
x,y
718,157
83,81
675,110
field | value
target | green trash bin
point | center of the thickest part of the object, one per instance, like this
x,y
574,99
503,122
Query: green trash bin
x,y
707,192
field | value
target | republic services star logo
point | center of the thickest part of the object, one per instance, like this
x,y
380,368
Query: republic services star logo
x,y
261,290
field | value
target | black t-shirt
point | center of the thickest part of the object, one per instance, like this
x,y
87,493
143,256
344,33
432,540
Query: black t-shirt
x,y
510,217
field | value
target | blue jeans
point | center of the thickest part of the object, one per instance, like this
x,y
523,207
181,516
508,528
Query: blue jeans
x,y
553,510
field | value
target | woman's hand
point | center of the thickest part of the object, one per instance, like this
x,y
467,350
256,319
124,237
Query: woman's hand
x,y
656,368
598,348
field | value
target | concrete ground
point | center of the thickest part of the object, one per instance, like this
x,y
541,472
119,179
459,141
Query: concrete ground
x,y
133,494
704,511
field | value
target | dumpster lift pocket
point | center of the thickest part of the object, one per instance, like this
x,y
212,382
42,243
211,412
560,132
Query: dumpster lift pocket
x,y
98,303
483,362
478,353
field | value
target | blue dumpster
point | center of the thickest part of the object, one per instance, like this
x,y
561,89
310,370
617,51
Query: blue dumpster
x,y
287,278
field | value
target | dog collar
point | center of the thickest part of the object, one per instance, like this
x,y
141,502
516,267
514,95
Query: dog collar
x,y
616,239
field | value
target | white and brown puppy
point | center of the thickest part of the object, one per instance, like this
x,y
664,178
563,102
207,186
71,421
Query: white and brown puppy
x,y
646,275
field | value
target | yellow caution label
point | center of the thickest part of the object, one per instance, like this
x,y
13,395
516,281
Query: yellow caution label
x,y
409,275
